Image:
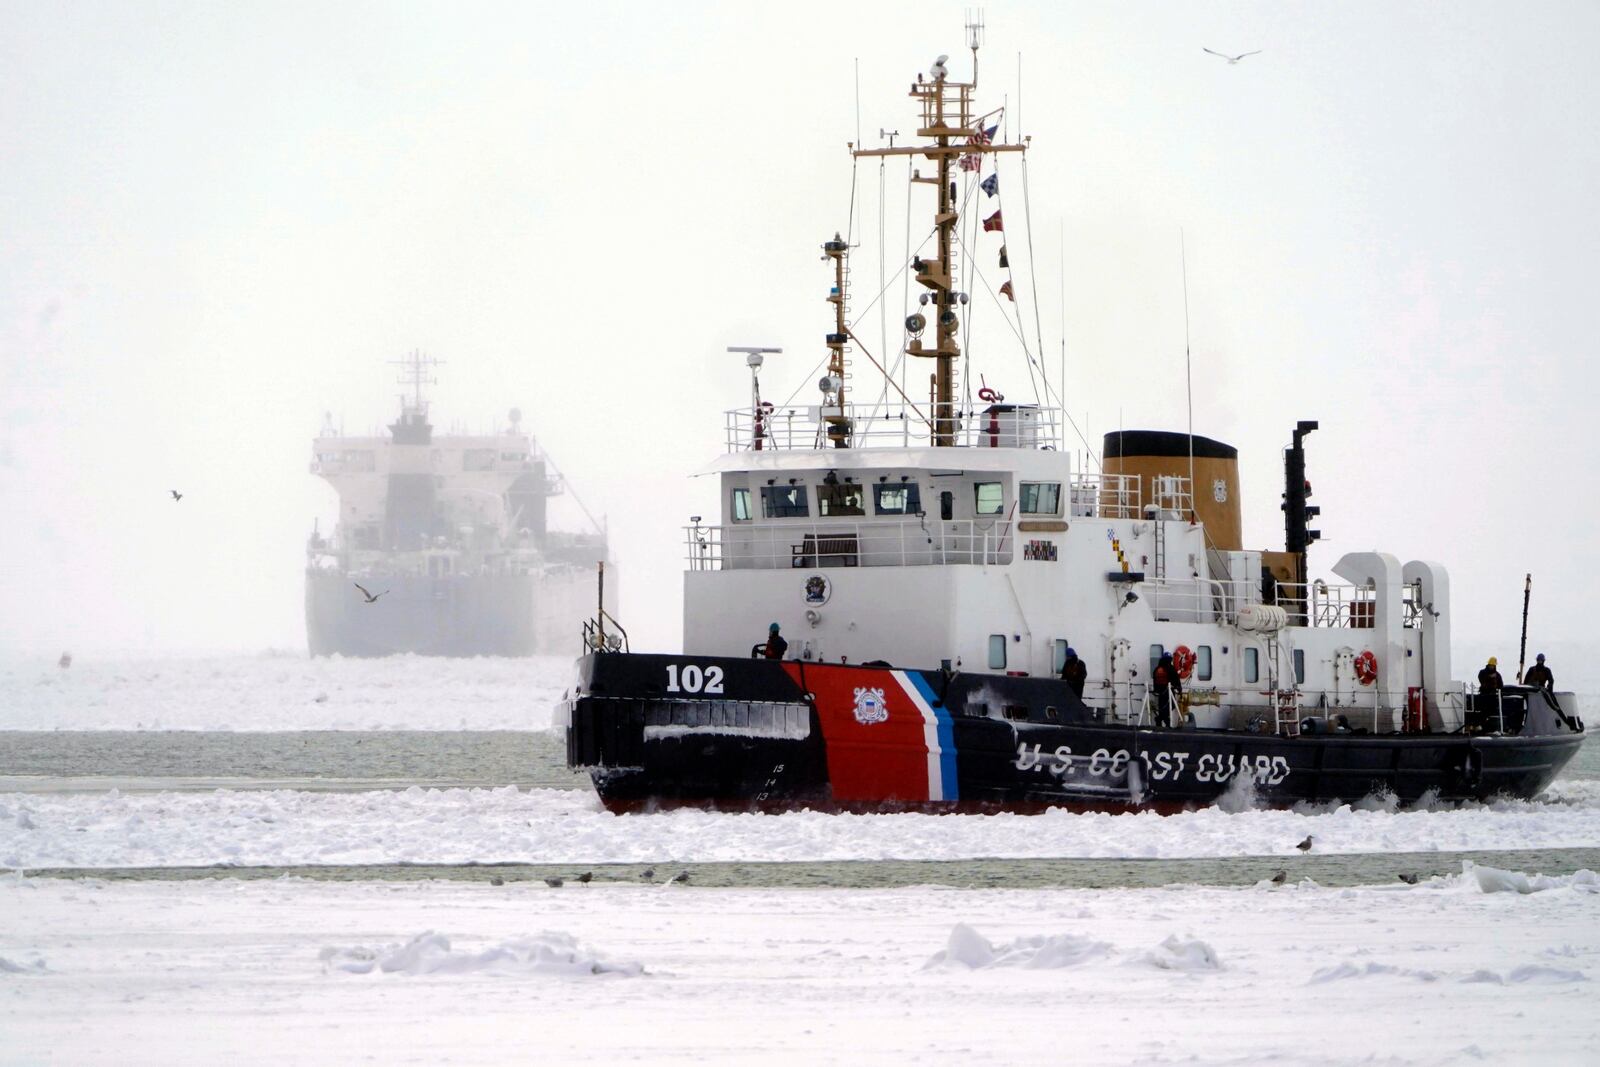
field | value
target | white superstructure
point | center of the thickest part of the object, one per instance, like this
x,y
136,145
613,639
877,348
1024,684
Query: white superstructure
x,y
1000,555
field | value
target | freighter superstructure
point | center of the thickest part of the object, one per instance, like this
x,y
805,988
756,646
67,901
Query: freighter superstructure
x,y
448,536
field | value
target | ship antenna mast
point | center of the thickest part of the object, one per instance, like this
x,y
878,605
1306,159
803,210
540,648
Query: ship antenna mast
x,y
416,372
953,130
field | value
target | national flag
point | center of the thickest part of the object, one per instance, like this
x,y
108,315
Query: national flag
x,y
990,185
971,162
986,136
1004,262
1006,289
993,223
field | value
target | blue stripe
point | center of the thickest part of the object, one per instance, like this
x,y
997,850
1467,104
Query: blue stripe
x,y
945,732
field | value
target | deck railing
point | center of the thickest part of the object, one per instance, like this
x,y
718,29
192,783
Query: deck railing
x,y
887,426
878,543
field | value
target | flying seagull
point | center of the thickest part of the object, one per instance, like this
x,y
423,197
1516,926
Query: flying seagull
x,y
175,494
1305,846
370,596
1232,59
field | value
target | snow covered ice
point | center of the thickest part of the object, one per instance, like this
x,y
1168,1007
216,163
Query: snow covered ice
x,y
1442,972
416,825
1489,964
281,691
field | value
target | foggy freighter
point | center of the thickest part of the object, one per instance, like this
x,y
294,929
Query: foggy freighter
x,y
442,546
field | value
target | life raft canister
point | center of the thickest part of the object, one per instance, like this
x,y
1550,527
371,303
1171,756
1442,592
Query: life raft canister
x,y
1366,667
1183,660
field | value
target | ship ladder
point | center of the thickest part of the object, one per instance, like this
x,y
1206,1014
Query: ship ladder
x,y
1287,707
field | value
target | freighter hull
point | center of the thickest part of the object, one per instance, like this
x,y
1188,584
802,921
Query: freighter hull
x,y
459,615
752,734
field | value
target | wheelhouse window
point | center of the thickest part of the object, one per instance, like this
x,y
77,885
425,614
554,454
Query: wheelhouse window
x,y
902,499
1039,498
842,499
988,498
478,459
784,502
1252,665
1202,663
997,652
741,505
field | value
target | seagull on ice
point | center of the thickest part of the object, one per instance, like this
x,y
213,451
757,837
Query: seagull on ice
x,y
176,496
1280,878
1408,879
1305,846
554,883
648,875
586,877
370,596
1232,60
680,877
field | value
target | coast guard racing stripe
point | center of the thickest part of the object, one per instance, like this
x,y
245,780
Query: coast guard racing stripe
x,y
885,741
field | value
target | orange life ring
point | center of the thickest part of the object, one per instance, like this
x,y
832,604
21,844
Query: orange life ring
x,y
1366,667
1183,661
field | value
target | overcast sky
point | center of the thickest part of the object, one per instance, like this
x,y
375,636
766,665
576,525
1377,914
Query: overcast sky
x,y
219,221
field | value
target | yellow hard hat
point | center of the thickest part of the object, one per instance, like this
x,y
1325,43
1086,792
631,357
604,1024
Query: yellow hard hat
x,y
1493,661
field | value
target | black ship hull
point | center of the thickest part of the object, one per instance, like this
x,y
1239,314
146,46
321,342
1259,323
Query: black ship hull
x,y
662,731
456,615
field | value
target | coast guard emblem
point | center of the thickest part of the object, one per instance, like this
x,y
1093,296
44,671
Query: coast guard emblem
x,y
817,589
870,707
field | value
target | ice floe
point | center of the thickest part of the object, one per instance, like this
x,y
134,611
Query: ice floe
x,y
508,824
550,952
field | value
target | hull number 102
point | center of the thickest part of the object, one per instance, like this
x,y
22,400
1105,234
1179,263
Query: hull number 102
x,y
691,679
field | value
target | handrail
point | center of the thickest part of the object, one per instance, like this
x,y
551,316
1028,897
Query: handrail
x,y
919,541
810,427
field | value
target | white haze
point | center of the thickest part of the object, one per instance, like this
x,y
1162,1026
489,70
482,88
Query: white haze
x,y
218,222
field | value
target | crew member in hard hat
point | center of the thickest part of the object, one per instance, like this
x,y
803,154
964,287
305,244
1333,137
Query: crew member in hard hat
x,y
1539,675
1168,688
1489,685
1074,672
776,646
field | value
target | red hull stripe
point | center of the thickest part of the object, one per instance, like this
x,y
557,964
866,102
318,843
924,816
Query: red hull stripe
x,y
884,741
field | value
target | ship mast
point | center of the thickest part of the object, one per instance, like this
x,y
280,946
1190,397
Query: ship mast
x,y
415,372
955,131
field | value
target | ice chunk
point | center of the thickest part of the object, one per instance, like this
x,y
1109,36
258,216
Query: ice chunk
x,y
11,967
1189,955
430,953
970,949
1495,880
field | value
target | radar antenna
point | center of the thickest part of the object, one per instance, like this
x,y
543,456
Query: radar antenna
x,y
754,356
416,371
